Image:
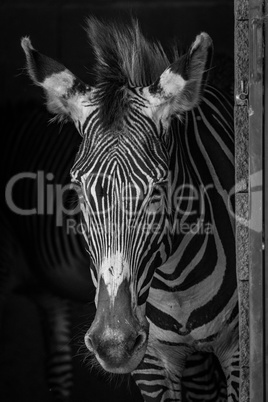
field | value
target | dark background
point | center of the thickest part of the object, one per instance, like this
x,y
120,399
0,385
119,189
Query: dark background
x,y
56,29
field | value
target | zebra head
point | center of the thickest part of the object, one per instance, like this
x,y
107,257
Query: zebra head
x,y
122,170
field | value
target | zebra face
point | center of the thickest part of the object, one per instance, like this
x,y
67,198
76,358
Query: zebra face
x,y
122,179
121,169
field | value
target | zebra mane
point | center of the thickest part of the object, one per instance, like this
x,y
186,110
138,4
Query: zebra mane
x,y
123,58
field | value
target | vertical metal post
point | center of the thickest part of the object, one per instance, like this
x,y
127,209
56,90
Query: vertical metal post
x,y
266,199
251,123
256,272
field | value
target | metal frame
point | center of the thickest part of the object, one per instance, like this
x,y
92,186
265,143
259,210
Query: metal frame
x,y
256,217
266,202
251,122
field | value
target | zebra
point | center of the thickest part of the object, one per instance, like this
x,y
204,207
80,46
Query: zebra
x,y
59,253
164,271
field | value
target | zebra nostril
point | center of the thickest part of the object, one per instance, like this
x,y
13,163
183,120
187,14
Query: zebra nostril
x,y
140,340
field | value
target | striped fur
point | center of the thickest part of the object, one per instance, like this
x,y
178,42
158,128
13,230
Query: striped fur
x,y
197,382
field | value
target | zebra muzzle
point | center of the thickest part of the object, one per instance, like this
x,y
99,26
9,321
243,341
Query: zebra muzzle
x,y
118,335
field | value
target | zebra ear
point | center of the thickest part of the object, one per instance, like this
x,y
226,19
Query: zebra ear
x,y
64,92
179,87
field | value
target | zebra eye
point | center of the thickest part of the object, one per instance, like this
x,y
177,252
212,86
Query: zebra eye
x,y
157,198
155,204
77,196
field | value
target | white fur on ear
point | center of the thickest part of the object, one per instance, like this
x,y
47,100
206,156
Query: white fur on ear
x,y
66,94
171,83
59,83
179,87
